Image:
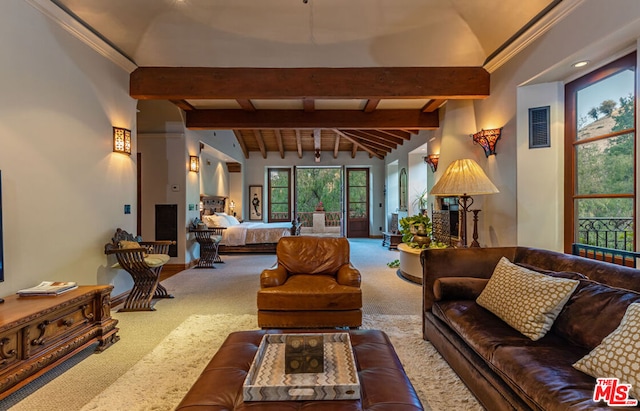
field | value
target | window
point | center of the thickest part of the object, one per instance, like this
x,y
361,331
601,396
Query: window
x,y
279,195
600,157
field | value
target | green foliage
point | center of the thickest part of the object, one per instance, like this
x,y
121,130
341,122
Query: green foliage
x,y
421,199
315,185
414,224
393,264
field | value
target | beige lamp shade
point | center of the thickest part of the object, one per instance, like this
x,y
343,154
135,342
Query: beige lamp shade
x,y
463,177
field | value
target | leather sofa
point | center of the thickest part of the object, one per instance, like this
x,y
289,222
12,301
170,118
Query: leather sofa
x,y
312,285
503,368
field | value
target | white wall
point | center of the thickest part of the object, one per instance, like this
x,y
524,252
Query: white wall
x,y
540,223
64,190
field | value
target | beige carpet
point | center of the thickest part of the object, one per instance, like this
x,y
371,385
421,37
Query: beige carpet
x,y
165,375
227,292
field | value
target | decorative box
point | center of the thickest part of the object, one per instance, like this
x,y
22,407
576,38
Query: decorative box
x,y
268,380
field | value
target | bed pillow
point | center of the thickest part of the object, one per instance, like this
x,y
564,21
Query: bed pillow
x,y
526,300
618,355
232,220
215,221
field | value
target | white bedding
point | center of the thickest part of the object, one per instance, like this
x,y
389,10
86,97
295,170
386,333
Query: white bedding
x,y
255,233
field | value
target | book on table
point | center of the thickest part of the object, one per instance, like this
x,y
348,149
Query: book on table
x,y
49,288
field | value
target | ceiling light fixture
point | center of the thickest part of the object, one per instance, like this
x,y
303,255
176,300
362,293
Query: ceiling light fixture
x,y
580,64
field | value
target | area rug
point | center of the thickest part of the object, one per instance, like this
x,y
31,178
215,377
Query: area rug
x,y
160,380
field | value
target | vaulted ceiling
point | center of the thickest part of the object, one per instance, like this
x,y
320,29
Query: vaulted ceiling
x,y
303,76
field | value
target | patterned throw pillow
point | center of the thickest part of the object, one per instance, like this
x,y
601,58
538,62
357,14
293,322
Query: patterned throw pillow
x,y
618,355
526,300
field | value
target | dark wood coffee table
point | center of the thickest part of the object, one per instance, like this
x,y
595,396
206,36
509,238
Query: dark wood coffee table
x,y
383,383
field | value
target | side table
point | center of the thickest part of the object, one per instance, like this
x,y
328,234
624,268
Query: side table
x,y
391,240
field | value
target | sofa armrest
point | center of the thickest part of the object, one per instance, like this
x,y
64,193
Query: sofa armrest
x,y
273,277
458,288
458,262
348,275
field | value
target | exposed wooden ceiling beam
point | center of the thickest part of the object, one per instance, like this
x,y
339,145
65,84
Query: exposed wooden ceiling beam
x,y
355,142
432,105
343,119
176,83
336,146
260,141
246,104
354,150
367,143
380,134
279,142
309,105
183,104
397,133
299,143
372,104
243,144
366,137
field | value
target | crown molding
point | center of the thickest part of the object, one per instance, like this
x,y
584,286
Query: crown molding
x,y
82,33
544,24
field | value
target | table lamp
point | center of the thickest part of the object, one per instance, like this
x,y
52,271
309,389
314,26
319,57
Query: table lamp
x,y
463,178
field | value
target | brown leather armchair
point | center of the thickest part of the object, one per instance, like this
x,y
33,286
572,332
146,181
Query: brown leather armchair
x,y
312,285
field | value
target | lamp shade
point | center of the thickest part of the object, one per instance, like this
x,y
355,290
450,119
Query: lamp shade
x,y
463,177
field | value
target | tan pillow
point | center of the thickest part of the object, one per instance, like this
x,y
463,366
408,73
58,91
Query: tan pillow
x,y
618,355
526,300
129,244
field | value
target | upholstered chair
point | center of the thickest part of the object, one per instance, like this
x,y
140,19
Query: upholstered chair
x,y
312,285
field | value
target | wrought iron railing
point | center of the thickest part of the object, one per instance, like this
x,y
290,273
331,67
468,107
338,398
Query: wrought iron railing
x,y
610,255
331,218
607,232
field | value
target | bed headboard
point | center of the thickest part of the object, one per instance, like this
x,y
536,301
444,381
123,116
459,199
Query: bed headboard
x,y
212,204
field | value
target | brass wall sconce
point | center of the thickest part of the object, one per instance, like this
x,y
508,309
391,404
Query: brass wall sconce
x,y
121,140
194,164
487,139
432,160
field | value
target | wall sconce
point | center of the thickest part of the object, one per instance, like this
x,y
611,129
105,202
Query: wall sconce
x,y
121,140
487,139
194,164
432,160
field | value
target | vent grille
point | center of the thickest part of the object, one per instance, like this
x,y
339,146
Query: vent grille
x,y
539,132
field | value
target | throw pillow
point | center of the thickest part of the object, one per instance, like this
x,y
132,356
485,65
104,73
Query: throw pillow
x,y
618,355
215,221
526,300
129,244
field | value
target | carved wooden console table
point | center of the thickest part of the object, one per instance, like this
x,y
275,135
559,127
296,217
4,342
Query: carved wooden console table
x,y
39,333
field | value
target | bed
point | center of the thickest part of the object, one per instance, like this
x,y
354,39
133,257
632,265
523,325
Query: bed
x,y
244,237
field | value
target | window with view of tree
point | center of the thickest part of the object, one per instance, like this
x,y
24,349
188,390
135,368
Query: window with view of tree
x,y
279,194
599,157
315,185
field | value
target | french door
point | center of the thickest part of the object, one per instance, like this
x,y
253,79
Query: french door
x,y
357,202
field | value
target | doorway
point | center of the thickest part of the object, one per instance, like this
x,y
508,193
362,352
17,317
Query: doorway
x,y
318,199
357,203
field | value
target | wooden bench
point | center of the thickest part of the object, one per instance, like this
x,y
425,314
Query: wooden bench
x,y
143,260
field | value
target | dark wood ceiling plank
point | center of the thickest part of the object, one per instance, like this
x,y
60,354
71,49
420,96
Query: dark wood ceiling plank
x,y
260,141
243,144
246,104
343,119
183,104
371,105
358,144
177,83
433,105
299,143
279,142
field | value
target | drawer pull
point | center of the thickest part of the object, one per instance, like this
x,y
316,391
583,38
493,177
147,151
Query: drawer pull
x,y
68,322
